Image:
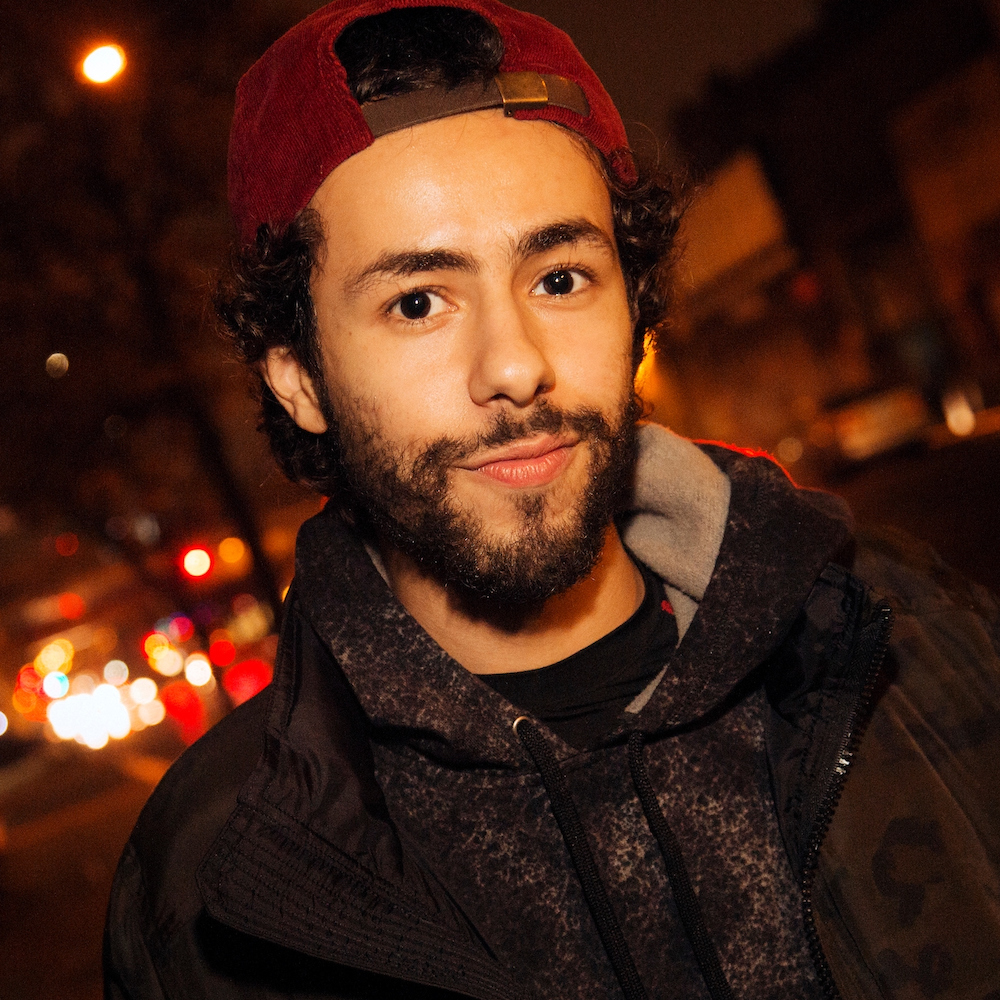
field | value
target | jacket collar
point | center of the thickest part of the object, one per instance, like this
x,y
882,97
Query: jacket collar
x,y
310,858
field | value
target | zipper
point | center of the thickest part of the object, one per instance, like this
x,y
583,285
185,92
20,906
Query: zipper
x,y
848,746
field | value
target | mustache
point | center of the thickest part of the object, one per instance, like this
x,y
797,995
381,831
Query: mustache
x,y
504,428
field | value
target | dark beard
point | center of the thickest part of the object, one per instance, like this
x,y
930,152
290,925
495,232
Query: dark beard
x,y
406,503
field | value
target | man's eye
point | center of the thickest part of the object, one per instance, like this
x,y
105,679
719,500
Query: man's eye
x,y
558,283
417,305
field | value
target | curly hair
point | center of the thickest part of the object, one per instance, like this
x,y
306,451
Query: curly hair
x,y
266,302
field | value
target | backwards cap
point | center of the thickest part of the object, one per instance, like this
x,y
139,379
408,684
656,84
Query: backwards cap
x,y
296,119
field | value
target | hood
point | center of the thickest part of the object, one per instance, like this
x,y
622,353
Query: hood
x,y
726,529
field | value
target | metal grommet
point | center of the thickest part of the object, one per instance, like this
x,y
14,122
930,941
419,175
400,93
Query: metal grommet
x,y
520,718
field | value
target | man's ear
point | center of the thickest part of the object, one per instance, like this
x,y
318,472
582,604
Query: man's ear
x,y
293,388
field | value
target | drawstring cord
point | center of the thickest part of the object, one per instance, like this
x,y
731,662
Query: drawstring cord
x,y
582,857
608,927
688,908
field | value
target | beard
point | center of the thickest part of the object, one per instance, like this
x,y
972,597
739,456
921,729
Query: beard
x,y
403,500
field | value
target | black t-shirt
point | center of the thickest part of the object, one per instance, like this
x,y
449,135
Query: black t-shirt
x,y
581,698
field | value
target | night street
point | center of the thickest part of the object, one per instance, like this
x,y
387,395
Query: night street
x,y
784,213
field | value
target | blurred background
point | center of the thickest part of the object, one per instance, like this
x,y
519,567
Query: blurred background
x,y
839,307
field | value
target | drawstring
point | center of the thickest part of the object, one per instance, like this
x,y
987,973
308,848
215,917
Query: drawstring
x,y
573,833
608,928
688,908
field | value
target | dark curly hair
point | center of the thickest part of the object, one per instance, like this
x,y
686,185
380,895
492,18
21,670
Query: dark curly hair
x,y
265,301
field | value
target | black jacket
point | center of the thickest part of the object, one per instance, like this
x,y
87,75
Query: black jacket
x,y
373,826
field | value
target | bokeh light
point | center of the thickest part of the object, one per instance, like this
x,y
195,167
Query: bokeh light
x,y
152,713
91,719
29,679
153,641
67,543
104,63
167,661
55,655
196,562
232,550
250,622
246,679
184,706
222,652
116,672
197,670
4,723
83,684
143,690
181,628
23,701
71,606
788,450
55,685
958,413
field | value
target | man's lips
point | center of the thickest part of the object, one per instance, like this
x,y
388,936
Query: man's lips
x,y
524,464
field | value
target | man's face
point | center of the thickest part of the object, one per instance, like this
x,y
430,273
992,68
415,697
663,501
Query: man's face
x,y
475,336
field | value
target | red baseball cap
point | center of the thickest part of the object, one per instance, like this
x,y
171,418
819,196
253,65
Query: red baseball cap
x,y
296,119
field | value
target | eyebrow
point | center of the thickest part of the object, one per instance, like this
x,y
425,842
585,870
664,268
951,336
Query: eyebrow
x,y
406,263
558,234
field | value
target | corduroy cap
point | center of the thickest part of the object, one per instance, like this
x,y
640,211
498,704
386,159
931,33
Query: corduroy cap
x,y
296,119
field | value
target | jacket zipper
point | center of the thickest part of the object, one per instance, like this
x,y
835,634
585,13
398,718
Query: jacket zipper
x,y
848,746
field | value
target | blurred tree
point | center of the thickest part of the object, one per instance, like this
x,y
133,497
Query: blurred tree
x,y
112,221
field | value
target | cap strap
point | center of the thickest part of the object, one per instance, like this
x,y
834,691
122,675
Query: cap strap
x,y
510,91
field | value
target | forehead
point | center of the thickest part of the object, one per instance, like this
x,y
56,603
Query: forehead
x,y
476,180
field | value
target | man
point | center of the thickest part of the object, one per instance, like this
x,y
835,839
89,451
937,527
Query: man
x,y
564,706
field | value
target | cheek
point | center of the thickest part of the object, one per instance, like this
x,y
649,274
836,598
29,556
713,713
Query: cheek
x,y
411,390
596,354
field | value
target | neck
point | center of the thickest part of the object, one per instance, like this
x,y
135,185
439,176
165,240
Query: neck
x,y
488,639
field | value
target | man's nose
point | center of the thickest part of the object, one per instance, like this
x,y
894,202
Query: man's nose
x,y
509,357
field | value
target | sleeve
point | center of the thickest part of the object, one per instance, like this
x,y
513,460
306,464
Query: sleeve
x,y
129,971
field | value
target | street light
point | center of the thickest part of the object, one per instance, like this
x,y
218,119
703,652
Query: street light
x,y
196,562
104,63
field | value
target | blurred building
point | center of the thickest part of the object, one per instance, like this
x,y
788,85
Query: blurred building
x,y
846,250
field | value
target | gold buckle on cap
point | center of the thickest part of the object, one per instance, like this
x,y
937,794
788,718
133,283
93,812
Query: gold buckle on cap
x,y
522,91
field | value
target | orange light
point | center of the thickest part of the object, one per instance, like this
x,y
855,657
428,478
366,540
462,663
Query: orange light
x,y
71,606
196,562
151,642
24,701
232,550
67,544
104,63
